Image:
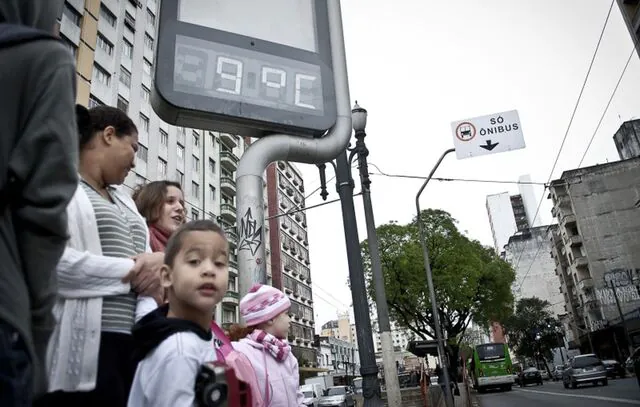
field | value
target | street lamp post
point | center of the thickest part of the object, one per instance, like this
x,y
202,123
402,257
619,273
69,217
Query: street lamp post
x,y
366,351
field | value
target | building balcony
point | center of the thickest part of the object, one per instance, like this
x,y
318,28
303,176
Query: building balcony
x,y
228,140
228,212
585,283
231,297
233,267
228,185
229,161
580,262
568,219
574,241
232,235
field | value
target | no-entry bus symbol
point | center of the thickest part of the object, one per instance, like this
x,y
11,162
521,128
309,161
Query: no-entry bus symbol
x,y
465,131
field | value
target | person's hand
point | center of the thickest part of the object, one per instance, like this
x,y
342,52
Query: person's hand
x,y
145,274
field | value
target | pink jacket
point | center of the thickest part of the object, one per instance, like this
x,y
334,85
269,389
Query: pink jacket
x,y
283,390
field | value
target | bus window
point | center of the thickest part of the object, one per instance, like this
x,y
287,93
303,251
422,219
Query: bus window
x,y
491,352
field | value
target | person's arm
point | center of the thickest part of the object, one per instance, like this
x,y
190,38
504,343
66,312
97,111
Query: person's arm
x,y
42,168
82,274
173,382
296,379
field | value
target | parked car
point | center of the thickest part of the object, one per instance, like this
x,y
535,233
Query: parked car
x,y
557,372
544,374
614,368
584,369
530,375
339,396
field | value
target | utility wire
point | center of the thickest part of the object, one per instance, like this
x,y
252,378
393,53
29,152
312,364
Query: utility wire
x,y
564,139
633,51
293,211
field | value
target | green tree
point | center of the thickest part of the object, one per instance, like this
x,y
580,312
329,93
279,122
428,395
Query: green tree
x,y
471,281
532,330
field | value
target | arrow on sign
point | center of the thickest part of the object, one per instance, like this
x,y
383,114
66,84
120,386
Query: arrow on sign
x,y
488,146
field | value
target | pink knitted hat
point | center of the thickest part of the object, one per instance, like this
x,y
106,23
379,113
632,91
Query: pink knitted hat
x,y
263,303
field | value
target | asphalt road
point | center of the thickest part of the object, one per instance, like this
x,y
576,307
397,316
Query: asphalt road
x,y
619,392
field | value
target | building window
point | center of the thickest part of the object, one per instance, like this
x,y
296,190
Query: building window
x,y
212,139
127,49
232,284
162,167
146,66
72,47
195,189
145,93
195,215
70,13
125,77
196,164
129,21
180,152
101,75
148,41
140,180
107,15
228,315
212,192
144,122
123,104
164,138
212,165
104,44
196,139
142,152
151,18
93,102
180,178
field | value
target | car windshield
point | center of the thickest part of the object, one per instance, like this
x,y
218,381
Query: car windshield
x,y
559,367
490,351
336,391
586,361
531,370
308,394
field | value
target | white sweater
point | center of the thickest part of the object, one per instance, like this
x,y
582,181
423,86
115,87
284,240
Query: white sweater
x,y
85,276
167,376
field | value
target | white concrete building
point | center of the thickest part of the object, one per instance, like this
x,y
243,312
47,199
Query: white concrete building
x,y
528,252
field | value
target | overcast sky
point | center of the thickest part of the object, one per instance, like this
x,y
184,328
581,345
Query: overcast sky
x,y
416,66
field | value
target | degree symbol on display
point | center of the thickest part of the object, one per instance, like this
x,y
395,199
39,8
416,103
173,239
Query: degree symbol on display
x,y
465,131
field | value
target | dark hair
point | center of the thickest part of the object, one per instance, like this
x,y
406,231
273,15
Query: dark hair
x,y
174,245
237,332
150,198
91,121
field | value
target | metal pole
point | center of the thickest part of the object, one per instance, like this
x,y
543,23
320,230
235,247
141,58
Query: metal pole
x,y
432,292
394,396
622,319
368,367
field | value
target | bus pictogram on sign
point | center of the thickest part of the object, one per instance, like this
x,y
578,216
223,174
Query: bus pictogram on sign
x,y
465,131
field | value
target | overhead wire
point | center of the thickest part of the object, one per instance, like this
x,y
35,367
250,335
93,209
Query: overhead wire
x,y
564,139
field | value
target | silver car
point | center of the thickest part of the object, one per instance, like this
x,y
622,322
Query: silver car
x,y
338,396
584,369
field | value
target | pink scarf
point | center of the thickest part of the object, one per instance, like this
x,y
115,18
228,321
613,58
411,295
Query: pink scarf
x,y
278,348
158,238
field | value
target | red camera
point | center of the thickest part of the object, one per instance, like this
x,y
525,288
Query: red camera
x,y
218,386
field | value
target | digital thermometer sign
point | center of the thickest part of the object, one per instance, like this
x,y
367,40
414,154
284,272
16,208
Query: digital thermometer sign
x,y
251,67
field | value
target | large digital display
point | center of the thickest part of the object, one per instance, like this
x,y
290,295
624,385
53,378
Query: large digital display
x,y
210,69
252,67
251,18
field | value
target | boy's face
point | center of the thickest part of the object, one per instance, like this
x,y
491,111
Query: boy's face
x,y
200,273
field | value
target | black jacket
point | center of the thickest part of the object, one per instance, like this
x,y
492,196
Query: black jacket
x,y
38,174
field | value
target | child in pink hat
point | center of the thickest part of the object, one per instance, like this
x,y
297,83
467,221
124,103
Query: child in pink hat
x,y
263,341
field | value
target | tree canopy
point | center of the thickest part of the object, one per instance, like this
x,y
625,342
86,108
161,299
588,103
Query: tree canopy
x,y
471,281
532,330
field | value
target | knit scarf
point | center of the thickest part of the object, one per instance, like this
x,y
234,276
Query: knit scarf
x,y
158,238
278,348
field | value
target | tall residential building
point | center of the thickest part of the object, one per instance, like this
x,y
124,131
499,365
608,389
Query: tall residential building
x,y
597,247
339,328
509,214
630,10
627,139
527,252
289,254
113,41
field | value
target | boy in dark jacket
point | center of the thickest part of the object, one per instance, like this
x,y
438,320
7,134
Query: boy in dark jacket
x,y
38,156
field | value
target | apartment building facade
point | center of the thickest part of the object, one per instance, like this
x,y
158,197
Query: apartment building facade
x,y
596,248
289,254
113,42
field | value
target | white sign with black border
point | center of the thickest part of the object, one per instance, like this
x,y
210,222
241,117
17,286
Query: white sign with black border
x,y
491,134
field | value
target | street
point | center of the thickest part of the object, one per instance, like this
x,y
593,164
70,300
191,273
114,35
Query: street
x,y
618,393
